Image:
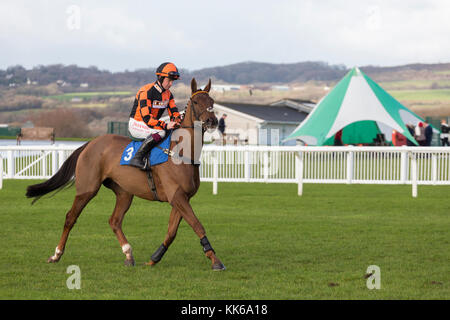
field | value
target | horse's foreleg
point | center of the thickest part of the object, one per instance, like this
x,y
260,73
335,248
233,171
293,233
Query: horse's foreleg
x,y
180,202
71,217
174,222
123,202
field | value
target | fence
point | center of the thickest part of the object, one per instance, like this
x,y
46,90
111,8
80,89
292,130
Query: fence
x,y
273,164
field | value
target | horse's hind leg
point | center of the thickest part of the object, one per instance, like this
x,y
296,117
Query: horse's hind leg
x,y
123,202
78,205
174,222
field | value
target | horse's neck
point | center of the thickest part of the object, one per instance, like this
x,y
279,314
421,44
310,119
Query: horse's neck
x,y
188,120
192,132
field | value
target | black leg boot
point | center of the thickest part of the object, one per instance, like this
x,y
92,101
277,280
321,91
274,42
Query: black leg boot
x,y
138,160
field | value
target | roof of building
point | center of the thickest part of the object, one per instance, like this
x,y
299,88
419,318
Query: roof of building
x,y
300,105
268,113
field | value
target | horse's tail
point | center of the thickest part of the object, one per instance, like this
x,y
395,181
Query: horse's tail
x,y
59,180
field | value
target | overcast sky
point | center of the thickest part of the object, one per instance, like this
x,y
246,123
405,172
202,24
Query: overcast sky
x,y
120,35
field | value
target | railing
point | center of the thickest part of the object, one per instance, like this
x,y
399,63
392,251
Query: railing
x,y
32,162
360,165
272,164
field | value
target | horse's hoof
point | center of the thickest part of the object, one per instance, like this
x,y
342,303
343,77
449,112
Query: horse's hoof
x,y
150,263
129,263
218,266
51,260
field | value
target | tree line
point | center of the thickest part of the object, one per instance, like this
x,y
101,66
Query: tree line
x,y
240,73
244,73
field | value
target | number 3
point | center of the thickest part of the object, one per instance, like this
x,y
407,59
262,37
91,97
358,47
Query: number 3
x,y
129,152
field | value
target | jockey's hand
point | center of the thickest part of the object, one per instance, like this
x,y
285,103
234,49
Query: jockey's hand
x,y
172,125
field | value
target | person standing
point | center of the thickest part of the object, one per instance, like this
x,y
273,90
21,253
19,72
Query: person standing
x,y
410,128
445,135
419,134
428,134
222,125
338,138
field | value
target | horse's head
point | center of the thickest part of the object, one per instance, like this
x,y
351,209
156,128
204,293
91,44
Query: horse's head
x,y
202,106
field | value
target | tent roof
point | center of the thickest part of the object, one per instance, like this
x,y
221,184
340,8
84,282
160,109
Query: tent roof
x,y
355,98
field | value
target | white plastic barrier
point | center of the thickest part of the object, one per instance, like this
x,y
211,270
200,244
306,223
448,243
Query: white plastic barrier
x,y
272,164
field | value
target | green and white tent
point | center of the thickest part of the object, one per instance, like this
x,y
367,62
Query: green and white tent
x,y
361,108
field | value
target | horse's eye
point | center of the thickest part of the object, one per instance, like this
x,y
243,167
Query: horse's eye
x,y
195,102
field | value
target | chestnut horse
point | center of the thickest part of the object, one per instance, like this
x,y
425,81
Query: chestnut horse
x,y
98,162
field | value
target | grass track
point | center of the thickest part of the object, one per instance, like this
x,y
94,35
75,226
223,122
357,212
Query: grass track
x,y
274,244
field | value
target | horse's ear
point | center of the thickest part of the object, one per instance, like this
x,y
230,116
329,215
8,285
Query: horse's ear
x,y
208,86
193,85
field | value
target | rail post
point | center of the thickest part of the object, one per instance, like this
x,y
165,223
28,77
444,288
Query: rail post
x,y
404,166
215,171
54,162
11,164
247,165
349,166
1,172
414,174
434,168
299,172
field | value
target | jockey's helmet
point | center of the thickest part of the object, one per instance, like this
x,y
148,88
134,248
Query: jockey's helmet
x,y
168,69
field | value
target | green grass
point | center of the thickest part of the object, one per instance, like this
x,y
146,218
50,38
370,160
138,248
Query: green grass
x,y
422,95
86,96
274,244
413,84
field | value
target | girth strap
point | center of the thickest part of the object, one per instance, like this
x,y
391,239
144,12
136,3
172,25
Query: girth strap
x,y
151,183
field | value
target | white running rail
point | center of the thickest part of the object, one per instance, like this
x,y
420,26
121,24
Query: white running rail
x,y
272,164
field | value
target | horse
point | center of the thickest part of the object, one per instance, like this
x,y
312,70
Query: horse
x,y
97,163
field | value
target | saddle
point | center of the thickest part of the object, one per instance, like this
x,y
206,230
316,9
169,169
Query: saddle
x,y
159,154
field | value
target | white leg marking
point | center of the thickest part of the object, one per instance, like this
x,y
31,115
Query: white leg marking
x,y
126,249
57,254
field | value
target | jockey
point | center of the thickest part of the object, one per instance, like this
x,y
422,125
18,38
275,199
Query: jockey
x,y
149,105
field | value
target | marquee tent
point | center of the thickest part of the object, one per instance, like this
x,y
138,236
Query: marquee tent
x,y
361,108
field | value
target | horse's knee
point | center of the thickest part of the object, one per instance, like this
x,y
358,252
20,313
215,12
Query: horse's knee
x,y
71,218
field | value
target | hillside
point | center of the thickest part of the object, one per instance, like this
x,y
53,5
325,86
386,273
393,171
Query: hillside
x,y
245,73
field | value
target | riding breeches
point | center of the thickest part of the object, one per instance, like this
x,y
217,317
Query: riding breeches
x,y
140,130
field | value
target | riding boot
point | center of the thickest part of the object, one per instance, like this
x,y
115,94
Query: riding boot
x,y
138,160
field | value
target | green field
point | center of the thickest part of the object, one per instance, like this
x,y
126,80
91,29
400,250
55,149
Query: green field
x,y
87,96
421,95
274,244
414,84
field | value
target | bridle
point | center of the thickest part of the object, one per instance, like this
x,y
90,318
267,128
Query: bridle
x,y
194,114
